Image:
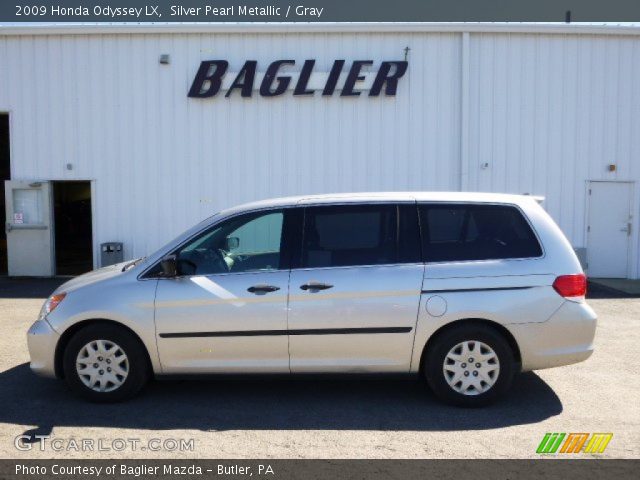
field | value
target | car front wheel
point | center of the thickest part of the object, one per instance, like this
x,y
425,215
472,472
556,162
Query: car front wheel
x,y
470,365
105,363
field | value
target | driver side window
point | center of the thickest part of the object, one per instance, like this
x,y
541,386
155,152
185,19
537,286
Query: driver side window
x,y
246,243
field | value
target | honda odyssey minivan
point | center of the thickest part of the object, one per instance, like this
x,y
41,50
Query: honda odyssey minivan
x,y
462,289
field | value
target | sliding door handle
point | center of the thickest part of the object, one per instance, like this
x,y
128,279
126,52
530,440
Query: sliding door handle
x,y
257,289
315,286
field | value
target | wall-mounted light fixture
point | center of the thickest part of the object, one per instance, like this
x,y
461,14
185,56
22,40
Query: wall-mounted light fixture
x,y
165,59
612,167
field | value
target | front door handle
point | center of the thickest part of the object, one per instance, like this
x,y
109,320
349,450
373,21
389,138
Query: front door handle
x,y
315,286
258,289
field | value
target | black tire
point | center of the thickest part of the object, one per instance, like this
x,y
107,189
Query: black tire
x,y
138,363
435,357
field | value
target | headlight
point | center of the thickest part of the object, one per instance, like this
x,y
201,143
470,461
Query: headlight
x,y
51,304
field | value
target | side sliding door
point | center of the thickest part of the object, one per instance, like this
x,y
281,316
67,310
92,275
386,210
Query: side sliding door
x,y
354,297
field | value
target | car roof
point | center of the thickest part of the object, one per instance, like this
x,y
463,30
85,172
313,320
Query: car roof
x,y
360,197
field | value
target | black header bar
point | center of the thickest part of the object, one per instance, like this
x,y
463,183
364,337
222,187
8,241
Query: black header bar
x,y
114,469
146,11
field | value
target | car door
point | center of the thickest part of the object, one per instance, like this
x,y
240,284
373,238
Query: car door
x,y
355,290
226,311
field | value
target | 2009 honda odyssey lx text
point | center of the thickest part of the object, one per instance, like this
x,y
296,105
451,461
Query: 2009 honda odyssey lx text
x,y
463,289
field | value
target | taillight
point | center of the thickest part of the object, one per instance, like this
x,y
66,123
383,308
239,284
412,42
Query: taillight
x,y
571,286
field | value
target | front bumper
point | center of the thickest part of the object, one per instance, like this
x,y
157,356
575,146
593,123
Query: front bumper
x,y
565,338
42,341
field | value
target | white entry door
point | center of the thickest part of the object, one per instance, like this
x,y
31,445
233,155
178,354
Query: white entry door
x,y
609,229
28,227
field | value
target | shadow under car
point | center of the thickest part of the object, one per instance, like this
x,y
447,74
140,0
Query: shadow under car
x,y
320,402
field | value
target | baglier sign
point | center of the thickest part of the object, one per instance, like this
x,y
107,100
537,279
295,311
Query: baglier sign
x,y
212,77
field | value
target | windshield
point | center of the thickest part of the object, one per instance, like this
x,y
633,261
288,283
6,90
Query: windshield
x,y
186,234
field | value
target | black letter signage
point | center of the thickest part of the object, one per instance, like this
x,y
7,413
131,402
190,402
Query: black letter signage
x,y
244,79
392,80
267,81
353,77
303,79
209,79
332,81
198,89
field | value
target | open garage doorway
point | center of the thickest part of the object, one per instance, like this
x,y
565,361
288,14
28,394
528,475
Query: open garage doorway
x,y
5,170
73,231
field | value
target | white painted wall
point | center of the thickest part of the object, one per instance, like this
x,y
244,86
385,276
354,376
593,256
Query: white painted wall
x,y
547,112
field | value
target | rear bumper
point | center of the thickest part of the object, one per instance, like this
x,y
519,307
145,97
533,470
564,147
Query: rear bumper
x,y
566,338
42,341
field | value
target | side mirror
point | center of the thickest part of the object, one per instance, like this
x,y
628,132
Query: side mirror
x,y
169,265
232,243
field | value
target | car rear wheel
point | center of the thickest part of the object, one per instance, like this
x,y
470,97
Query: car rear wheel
x,y
105,363
470,365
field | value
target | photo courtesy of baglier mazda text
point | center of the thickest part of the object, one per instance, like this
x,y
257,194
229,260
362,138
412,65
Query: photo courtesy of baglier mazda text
x,y
322,240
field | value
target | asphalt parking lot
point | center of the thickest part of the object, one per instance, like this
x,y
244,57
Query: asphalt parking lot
x,y
321,417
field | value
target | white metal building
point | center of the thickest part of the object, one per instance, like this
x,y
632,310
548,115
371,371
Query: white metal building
x,y
550,110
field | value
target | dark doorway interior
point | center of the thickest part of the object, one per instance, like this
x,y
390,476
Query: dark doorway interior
x,y
4,175
72,220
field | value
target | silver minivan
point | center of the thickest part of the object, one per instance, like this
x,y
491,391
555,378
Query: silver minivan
x,y
462,289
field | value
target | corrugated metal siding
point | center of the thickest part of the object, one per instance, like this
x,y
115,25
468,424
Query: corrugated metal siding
x,y
546,112
162,161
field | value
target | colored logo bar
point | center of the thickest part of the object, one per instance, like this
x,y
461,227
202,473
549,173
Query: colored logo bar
x,y
574,443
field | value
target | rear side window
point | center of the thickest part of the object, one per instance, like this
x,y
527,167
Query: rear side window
x,y
452,232
351,235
